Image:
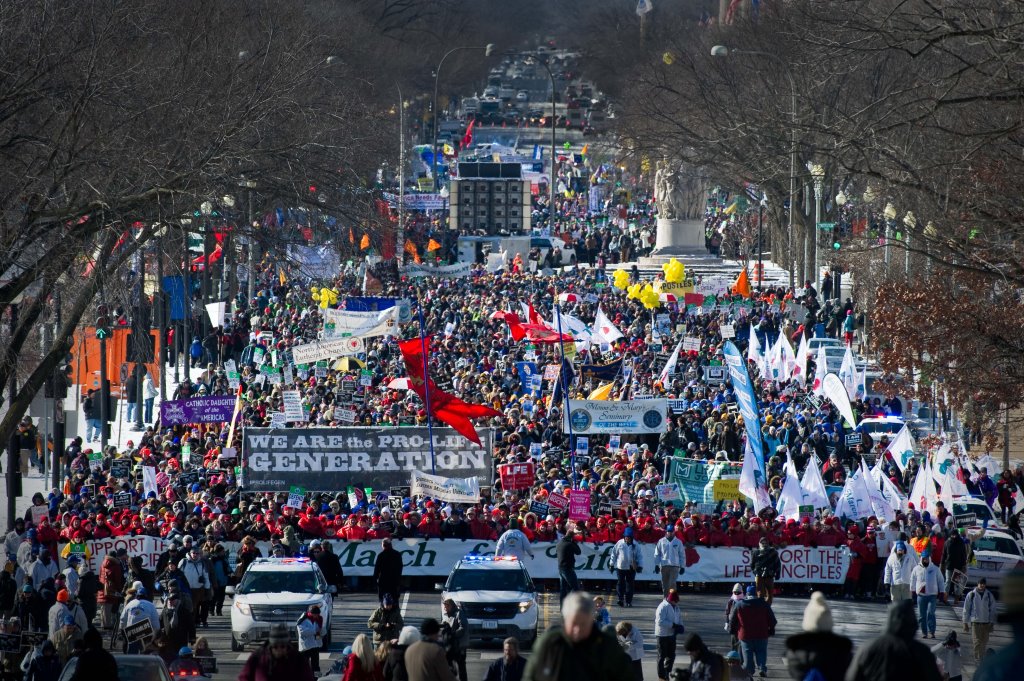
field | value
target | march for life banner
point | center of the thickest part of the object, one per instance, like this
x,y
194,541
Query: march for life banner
x,y
434,558
634,417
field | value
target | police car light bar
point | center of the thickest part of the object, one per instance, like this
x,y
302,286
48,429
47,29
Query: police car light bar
x,y
478,558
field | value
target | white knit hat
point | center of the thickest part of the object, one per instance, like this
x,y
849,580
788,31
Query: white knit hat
x,y
817,615
408,636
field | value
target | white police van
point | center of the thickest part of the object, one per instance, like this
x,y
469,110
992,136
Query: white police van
x,y
497,596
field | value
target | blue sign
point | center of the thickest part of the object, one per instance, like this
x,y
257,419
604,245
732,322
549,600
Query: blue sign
x,y
745,398
527,370
175,290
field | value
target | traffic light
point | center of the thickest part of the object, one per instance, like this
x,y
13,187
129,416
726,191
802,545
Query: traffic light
x,y
836,245
102,322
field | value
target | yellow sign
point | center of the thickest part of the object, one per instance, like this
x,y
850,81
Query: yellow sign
x,y
425,184
678,289
727,490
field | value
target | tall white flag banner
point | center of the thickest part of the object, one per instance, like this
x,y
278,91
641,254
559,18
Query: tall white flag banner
x,y
752,482
919,494
944,473
788,359
455,490
862,383
800,369
820,370
879,504
902,448
670,366
754,350
835,392
604,330
848,372
571,325
149,481
217,313
813,486
855,500
889,492
346,324
791,496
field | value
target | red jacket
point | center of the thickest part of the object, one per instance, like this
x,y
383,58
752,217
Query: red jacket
x,y
752,620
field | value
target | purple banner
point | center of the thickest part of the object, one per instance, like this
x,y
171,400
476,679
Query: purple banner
x,y
197,410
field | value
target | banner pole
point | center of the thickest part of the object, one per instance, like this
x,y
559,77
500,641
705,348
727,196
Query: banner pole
x,y
565,391
426,381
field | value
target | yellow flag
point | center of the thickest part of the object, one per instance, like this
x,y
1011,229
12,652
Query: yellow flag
x,y
601,393
280,276
365,242
433,245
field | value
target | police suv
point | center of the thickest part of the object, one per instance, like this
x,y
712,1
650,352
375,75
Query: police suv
x,y
497,596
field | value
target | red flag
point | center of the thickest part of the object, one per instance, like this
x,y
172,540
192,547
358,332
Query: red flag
x,y
467,139
443,406
537,333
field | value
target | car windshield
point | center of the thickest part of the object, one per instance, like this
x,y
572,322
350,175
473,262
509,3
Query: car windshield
x,y
994,543
277,582
489,580
981,511
136,669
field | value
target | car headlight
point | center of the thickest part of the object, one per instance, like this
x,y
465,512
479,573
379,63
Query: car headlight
x,y
243,608
524,606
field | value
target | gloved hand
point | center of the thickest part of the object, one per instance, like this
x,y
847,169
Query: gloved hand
x,y
657,569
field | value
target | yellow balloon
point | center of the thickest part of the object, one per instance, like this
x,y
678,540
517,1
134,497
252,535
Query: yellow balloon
x,y
649,297
674,270
620,279
323,303
634,291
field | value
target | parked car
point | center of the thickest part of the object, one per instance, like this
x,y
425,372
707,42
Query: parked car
x,y
129,668
996,554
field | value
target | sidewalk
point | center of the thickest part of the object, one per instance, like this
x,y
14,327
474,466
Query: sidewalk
x,y
120,432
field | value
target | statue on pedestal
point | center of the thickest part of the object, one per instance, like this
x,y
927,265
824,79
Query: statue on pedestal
x,y
678,197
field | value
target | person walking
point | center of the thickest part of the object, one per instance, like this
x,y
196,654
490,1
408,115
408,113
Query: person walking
x,y
668,624
387,571
895,654
425,660
131,387
953,560
1007,662
46,666
979,617
386,621
737,597
767,567
95,661
705,665
899,567
577,649
566,550
926,583
310,629
277,660
513,542
632,641
817,648
137,609
112,580
669,559
394,663
510,666
91,411
948,655
196,570
753,622
455,628
626,561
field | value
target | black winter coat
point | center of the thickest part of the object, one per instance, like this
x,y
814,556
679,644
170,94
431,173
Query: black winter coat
x,y
829,653
895,654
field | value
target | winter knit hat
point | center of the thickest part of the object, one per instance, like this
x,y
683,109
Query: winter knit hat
x,y
817,615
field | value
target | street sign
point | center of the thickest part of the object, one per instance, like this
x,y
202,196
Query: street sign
x,y
826,226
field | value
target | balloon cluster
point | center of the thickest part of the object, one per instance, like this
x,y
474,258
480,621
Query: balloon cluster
x,y
649,297
674,270
620,279
325,297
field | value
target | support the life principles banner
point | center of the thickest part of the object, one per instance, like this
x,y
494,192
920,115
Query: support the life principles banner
x,y
330,459
434,558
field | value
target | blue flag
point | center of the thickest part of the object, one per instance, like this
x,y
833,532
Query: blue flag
x,y
527,370
746,399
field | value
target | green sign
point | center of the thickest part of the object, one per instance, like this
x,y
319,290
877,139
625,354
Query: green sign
x,y
826,226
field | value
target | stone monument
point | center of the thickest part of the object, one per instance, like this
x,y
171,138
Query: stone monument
x,y
680,196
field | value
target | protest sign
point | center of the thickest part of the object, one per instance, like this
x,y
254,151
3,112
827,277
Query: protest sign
x,y
579,504
123,500
558,501
517,475
458,490
121,468
327,459
39,513
632,417
668,492
140,631
726,490
296,497
293,406
348,323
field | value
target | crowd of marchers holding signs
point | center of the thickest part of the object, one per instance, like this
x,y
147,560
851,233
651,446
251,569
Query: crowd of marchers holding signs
x,y
492,339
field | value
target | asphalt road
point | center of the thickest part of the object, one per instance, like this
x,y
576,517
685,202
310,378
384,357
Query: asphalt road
x,y
703,613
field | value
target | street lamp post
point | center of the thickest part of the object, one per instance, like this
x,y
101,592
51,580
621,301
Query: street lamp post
x,y
488,49
554,158
760,264
818,176
889,214
249,185
401,175
723,51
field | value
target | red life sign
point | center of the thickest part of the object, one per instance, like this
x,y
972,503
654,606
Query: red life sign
x,y
516,475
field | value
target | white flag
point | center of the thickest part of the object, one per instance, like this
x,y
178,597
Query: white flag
x,y
643,7
847,373
902,448
862,383
754,352
670,365
889,492
813,486
944,473
855,501
879,504
604,330
820,369
565,323
919,494
752,482
791,496
835,392
787,359
800,368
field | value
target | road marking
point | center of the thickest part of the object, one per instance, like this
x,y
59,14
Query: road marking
x,y
490,656
405,603
545,611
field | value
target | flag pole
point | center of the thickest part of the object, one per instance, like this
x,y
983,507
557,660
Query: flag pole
x,y
565,390
426,381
